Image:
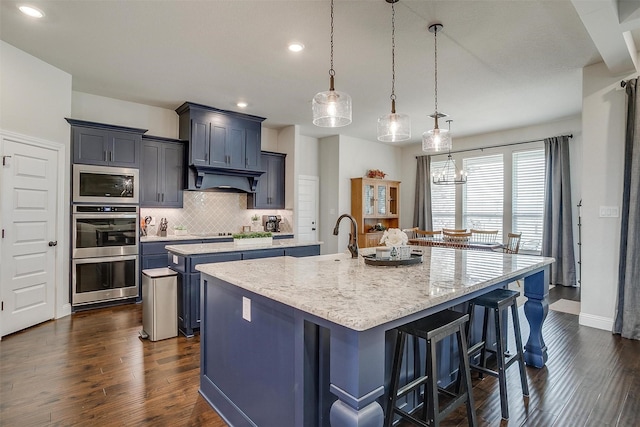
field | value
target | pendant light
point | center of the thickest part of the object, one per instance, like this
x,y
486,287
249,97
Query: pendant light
x,y
436,139
394,127
331,108
449,174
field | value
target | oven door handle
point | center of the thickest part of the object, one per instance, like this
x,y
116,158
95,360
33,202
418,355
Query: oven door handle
x,y
105,215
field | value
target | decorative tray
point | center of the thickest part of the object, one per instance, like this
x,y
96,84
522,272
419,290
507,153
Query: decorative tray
x,y
372,260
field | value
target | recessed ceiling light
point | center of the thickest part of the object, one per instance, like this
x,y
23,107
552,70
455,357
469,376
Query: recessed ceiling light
x,y
296,47
242,104
31,11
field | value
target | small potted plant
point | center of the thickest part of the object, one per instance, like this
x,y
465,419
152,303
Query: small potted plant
x,y
262,238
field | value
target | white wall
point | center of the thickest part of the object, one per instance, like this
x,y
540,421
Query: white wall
x,y
329,158
342,158
94,108
36,97
603,127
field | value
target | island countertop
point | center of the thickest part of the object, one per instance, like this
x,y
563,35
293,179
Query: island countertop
x,y
213,248
350,293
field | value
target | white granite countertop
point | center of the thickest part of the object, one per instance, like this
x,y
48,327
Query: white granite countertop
x,y
350,293
214,248
173,237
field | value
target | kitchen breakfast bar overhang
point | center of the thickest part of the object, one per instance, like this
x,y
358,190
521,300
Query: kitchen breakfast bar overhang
x,y
279,335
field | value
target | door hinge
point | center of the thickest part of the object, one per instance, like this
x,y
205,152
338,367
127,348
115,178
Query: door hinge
x,y
3,233
4,160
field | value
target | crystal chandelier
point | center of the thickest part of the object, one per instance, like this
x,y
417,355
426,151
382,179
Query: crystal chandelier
x,y
331,108
436,140
394,127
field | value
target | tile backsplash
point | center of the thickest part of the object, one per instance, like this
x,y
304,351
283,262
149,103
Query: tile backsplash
x,y
213,212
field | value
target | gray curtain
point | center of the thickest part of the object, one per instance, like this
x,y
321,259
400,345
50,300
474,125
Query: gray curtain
x,y
557,234
627,322
422,205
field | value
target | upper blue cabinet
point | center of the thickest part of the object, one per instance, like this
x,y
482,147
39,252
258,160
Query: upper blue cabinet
x,y
105,145
220,139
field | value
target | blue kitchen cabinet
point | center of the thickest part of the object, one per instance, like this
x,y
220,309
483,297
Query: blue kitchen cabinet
x,y
270,189
189,277
161,172
220,139
105,145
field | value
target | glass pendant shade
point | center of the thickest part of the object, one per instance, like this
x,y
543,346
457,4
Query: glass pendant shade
x,y
394,127
331,109
436,140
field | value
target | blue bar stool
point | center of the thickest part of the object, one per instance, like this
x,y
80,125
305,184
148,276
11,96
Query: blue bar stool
x,y
432,328
498,301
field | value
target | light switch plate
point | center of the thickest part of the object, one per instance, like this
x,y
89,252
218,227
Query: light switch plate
x,y
609,212
246,309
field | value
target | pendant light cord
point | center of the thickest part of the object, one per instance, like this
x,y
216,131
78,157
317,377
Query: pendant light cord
x,y
393,58
435,41
331,70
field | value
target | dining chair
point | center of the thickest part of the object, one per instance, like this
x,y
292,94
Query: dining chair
x,y
484,236
428,234
454,230
513,243
411,232
456,240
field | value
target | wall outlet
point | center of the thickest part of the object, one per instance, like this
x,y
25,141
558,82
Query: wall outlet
x,y
246,309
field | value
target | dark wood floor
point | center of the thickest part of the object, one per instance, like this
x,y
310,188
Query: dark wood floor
x,y
92,369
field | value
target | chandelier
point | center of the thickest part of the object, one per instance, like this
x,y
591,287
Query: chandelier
x,y
449,174
394,127
331,108
436,140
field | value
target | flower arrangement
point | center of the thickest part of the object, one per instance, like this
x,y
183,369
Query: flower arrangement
x,y
394,237
376,173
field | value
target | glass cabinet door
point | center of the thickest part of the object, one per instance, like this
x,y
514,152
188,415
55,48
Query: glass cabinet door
x,y
369,199
381,207
394,195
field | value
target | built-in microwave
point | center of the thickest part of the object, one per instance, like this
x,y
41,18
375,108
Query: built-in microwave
x,y
105,184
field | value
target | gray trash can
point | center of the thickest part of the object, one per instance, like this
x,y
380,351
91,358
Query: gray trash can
x,y
159,304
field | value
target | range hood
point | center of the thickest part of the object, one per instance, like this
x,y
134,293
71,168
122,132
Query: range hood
x,y
224,179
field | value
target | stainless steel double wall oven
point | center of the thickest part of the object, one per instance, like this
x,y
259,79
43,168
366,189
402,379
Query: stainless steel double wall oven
x,y
105,234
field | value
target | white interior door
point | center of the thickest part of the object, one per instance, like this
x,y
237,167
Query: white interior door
x,y
307,209
28,200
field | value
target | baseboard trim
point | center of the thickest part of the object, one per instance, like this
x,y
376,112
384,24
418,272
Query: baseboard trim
x,y
64,311
598,322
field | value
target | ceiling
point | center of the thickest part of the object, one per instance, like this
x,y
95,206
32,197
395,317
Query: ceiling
x,y
501,64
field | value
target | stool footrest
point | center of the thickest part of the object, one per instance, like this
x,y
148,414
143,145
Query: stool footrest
x,y
412,385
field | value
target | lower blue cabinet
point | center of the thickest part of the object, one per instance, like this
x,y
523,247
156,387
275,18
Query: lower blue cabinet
x,y
189,277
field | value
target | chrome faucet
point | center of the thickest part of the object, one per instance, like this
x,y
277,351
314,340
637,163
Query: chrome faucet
x,y
353,236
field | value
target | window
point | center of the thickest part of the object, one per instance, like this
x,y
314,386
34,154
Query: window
x,y
483,194
528,197
504,192
443,201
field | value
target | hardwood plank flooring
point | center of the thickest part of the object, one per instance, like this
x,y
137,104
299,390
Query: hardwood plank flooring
x,y
92,368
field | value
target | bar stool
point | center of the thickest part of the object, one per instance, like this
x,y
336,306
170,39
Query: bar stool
x,y
432,328
498,301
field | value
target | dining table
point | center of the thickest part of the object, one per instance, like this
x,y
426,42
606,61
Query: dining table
x,y
306,341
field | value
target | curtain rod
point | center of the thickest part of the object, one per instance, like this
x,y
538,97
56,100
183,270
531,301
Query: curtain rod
x,y
494,146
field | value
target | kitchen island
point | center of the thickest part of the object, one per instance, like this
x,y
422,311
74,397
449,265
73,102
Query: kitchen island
x,y
183,258
263,361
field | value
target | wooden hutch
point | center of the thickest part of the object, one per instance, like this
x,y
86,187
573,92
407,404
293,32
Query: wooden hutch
x,y
374,201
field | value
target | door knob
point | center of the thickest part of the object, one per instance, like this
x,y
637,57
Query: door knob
x,y
313,229
53,243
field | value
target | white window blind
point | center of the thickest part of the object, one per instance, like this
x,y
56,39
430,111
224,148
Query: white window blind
x,y
483,194
443,201
528,197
